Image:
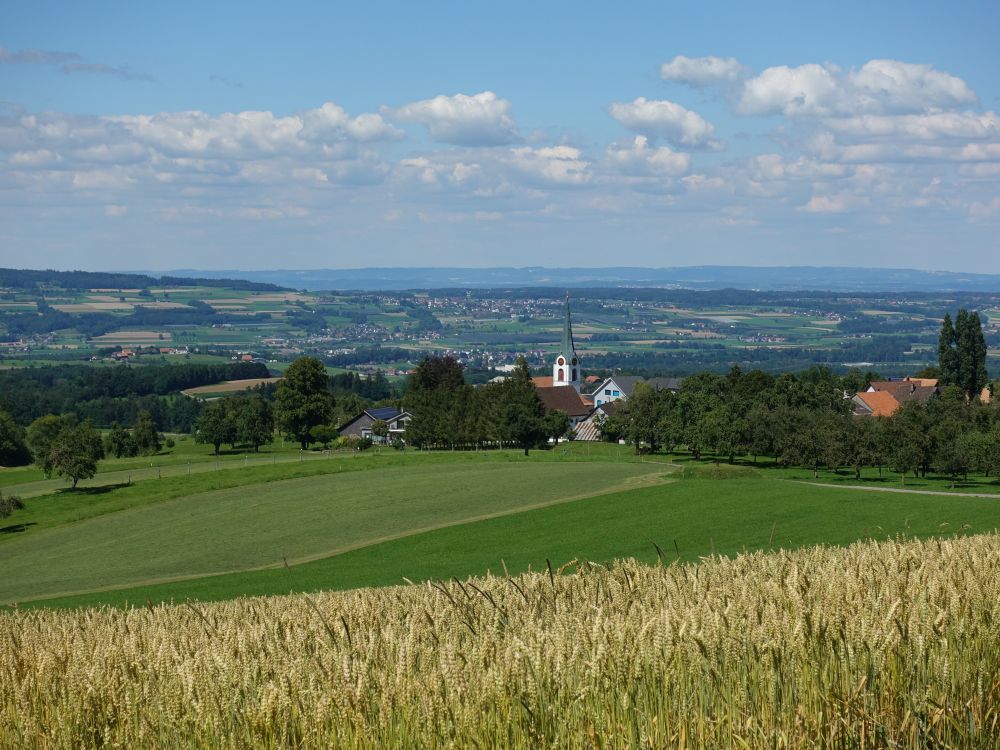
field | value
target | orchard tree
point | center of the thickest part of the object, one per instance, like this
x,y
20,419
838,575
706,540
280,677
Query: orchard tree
x,y
76,451
120,443
323,434
303,399
380,429
557,425
254,422
215,425
42,434
146,435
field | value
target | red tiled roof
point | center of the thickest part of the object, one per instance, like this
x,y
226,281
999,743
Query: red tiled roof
x,y
542,381
881,403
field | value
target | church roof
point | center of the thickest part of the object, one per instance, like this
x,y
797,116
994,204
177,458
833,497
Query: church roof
x,y
564,398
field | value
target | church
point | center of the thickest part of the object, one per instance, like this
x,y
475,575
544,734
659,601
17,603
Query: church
x,y
562,390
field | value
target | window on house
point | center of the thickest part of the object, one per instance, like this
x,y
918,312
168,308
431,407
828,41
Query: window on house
x,y
607,391
615,393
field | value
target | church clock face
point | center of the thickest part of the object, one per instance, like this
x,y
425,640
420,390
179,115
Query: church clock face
x,y
561,361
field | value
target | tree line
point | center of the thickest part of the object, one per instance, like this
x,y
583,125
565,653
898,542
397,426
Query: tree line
x,y
798,423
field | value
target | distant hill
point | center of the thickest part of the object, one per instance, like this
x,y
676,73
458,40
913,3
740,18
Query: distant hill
x,y
689,277
30,279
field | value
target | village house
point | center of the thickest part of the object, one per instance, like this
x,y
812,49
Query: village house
x,y
621,386
361,425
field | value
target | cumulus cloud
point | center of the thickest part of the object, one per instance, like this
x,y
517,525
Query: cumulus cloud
x,y
665,119
878,87
483,119
700,72
638,158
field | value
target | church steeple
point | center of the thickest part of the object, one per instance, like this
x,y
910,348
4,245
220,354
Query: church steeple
x,y
566,370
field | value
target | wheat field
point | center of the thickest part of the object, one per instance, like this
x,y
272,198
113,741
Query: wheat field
x,y
878,645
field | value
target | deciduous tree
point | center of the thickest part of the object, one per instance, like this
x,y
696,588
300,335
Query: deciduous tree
x,y
76,451
303,399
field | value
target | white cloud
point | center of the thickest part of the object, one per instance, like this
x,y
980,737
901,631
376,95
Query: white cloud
x,y
483,119
966,125
700,72
878,87
639,159
665,119
551,165
195,147
765,167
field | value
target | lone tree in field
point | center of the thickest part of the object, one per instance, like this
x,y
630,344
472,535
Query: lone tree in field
x,y
962,353
303,399
76,451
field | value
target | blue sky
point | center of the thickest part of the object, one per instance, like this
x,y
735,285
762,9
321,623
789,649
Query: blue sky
x,y
242,135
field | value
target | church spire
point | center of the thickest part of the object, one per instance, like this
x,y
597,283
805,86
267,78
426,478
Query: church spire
x,y
566,369
567,338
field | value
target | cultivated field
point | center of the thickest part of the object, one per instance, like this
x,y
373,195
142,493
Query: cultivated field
x,y
229,386
876,645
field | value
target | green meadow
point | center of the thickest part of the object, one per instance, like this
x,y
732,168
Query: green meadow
x,y
352,520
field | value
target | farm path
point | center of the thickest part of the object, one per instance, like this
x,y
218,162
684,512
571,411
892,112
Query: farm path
x,y
902,490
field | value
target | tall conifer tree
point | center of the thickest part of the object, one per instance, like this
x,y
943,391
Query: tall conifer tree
x,y
947,352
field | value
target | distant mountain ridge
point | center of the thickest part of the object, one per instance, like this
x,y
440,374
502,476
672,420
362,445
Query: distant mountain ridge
x,y
775,278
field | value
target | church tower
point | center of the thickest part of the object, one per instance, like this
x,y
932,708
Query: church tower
x,y
566,370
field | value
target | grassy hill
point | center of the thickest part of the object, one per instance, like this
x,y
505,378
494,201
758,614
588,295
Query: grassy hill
x,y
379,519
263,525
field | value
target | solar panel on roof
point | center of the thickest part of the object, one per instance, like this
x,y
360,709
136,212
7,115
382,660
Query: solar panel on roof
x,y
384,413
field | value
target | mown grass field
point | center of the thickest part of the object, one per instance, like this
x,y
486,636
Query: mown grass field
x,y
287,520
877,645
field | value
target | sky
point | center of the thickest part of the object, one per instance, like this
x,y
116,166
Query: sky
x,y
155,136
